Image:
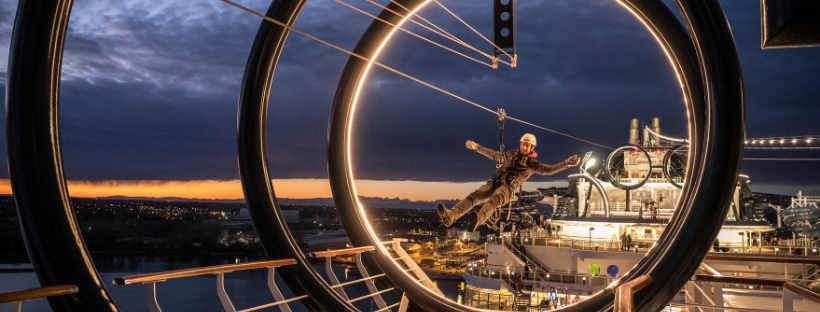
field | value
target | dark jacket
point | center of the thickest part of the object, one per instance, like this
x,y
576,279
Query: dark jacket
x,y
512,168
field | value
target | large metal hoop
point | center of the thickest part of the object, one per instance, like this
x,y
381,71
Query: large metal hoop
x,y
725,100
612,179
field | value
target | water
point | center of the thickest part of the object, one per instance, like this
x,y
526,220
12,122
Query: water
x,y
246,288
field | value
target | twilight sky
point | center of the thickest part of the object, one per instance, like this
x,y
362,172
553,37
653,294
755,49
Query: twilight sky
x,y
150,88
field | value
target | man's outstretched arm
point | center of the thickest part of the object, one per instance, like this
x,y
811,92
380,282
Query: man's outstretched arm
x,y
491,154
543,169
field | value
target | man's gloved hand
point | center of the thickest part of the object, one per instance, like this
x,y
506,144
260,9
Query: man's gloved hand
x,y
472,145
573,160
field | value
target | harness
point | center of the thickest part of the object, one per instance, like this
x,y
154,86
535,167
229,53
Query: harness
x,y
502,175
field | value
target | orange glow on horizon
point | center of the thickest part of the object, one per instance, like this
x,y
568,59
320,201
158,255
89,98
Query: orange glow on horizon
x,y
284,188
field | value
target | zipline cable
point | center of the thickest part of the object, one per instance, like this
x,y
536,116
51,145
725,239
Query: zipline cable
x,y
296,30
419,17
414,34
439,32
471,27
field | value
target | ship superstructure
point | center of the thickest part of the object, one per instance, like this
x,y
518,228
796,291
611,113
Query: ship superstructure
x,y
599,230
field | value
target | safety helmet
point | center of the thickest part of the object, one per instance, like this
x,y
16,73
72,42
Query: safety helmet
x,y
529,138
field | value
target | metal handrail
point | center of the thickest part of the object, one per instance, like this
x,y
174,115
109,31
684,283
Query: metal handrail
x,y
339,252
803,291
739,280
225,268
37,293
624,294
760,258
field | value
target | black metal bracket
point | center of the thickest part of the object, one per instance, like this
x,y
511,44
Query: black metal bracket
x,y
504,27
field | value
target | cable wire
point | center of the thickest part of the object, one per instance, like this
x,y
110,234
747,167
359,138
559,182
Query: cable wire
x,y
439,32
471,27
412,33
296,30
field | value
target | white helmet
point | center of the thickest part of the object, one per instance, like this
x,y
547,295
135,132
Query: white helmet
x,y
529,138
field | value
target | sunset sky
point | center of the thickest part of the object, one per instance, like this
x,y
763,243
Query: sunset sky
x,y
149,96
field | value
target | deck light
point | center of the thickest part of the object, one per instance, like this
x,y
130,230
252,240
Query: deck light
x,y
794,141
754,142
771,141
781,141
746,142
808,141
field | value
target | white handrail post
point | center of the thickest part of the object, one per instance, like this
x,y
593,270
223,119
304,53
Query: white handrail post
x,y
274,290
16,306
404,303
788,300
223,296
332,277
370,285
717,295
150,296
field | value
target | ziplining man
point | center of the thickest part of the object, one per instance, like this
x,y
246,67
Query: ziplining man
x,y
516,167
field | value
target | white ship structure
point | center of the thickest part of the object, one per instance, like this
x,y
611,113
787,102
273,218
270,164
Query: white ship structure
x,y
599,230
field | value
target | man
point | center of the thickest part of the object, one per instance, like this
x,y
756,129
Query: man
x,y
516,167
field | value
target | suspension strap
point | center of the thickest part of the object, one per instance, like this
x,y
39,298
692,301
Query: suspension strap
x,y
501,117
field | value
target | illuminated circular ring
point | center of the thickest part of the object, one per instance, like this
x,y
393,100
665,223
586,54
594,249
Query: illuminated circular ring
x,y
666,162
609,162
716,148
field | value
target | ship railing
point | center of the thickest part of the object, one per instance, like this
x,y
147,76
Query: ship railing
x,y
544,238
367,279
706,292
516,273
16,298
150,280
637,245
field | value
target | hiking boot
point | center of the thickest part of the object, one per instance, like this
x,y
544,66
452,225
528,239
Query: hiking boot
x,y
445,214
474,220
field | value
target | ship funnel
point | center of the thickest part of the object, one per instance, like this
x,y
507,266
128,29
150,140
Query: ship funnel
x,y
633,132
656,125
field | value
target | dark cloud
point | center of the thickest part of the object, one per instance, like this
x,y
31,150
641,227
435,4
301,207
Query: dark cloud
x,y
150,89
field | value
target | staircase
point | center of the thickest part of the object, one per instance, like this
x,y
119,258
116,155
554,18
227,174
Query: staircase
x,y
521,292
533,264
813,275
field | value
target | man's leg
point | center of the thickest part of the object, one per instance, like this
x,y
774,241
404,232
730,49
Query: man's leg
x,y
448,216
498,198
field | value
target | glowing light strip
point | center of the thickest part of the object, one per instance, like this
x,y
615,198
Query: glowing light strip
x,y
691,157
597,185
666,137
351,179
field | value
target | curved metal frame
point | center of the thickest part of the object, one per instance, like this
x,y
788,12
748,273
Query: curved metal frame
x,y
597,186
701,211
666,159
53,239
611,178
253,164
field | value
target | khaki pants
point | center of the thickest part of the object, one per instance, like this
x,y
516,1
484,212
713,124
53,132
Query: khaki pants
x,y
484,194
